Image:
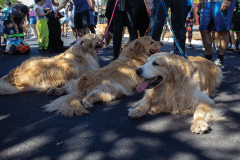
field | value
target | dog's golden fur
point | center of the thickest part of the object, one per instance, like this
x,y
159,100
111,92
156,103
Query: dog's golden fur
x,y
26,30
109,37
42,73
182,90
104,84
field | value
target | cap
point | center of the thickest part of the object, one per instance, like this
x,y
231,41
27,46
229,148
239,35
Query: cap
x,y
24,9
8,3
7,22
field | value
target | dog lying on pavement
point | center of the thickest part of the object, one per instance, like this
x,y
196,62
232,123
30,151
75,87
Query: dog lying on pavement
x,y
105,84
179,86
41,73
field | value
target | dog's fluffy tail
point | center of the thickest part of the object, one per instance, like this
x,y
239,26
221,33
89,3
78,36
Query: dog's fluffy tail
x,y
6,86
67,105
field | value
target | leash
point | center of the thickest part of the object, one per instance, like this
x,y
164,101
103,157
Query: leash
x,y
168,19
102,43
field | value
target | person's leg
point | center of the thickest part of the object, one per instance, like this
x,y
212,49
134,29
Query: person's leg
x,y
217,39
35,30
132,19
86,29
224,40
207,41
40,31
91,27
46,35
178,19
80,32
232,38
223,21
238,37
74,30
118,21
213,39
158,18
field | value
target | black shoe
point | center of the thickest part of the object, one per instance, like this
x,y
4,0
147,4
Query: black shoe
x,y
40,51
46,51
190,46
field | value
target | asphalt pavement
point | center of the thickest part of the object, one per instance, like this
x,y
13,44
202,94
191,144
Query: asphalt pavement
x,y
29,133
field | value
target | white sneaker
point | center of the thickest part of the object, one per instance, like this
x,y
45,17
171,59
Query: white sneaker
x,y
171,52
34,37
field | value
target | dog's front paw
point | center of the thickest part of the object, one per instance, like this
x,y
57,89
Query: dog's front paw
x,y
199,126
136,113
52,92
86,104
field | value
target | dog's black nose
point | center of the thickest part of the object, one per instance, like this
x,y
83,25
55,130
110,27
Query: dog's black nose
x,y
139,71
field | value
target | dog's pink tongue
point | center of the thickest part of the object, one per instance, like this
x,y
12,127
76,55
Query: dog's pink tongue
x,y
142,86
158,51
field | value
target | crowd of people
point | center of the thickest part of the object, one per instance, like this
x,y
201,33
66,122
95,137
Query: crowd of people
x,y
219,17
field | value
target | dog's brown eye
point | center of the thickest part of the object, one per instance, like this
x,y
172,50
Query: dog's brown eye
x,y
151,42
155,64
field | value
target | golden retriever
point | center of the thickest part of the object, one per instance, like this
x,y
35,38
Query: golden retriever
x,y
105,84
26,30
177,85
42,73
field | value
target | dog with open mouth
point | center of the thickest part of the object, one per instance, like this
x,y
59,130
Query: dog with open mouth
x,y
179,86
105,84
42,73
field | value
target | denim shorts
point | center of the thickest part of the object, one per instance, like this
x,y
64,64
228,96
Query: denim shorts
x,y
33,20
213,19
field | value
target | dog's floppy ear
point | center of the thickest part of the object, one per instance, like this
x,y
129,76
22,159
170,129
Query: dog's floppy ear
x,y
179,69
86,44
137,47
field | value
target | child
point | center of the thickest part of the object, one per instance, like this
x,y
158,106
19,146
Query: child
x,y
33,21
64,22
42,26
9,30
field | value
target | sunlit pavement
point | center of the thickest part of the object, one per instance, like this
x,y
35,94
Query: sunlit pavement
x,y
27,132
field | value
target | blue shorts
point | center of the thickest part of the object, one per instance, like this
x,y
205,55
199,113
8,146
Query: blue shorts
x,y
213,19
33,20
64,20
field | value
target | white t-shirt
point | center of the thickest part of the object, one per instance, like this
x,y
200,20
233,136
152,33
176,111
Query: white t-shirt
x,y
41,10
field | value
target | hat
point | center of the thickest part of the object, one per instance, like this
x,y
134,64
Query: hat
x,y
8,3
7,22
24,9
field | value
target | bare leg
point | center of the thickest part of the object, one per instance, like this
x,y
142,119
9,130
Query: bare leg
x,y
75,34
207,41
213,39
217,38
224,39
232,37
65,28
80,32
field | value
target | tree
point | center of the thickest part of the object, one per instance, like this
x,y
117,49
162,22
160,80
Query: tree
x,y
3,2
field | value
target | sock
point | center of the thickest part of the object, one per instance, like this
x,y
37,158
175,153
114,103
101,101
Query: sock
x,y
233,45
229,45
209,57
213,46
220,57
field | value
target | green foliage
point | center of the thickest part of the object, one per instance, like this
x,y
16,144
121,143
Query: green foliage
x,y
3,2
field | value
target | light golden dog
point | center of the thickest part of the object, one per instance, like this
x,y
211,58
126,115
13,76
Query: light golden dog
x,y
42,73
26,30
178,86
105,84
